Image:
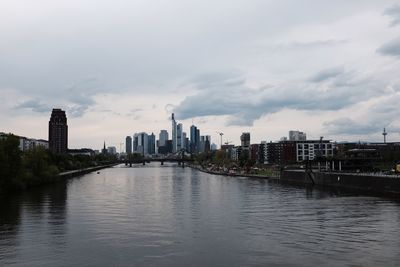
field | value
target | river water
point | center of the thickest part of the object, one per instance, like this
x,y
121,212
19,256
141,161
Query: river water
x,y
169,216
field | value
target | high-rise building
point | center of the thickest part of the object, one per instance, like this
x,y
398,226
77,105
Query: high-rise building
x,y
193,139
179,137
128,145
135,143
174,135
163,138
58,132
152,144
142,143
245,139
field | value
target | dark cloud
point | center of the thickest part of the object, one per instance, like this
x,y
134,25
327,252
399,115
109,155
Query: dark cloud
x,y
391,48
327,74
243,104
34,105
394,13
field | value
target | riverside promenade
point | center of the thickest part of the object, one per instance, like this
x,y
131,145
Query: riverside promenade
x,y
74,173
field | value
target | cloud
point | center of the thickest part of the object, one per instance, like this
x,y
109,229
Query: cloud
x,y
376,113
244,104
34,105
391,48
327,74
394,13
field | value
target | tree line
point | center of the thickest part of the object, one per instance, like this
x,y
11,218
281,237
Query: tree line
x,y
22,169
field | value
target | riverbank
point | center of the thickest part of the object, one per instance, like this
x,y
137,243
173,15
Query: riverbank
x,y
74,173
366,183
27,184
247,175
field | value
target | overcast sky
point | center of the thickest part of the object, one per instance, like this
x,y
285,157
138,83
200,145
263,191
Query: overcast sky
x,y
328,68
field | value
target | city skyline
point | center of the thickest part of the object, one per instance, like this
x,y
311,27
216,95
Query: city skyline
x,y
330,70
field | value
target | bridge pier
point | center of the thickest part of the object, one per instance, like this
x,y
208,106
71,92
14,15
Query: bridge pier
x,y
183,164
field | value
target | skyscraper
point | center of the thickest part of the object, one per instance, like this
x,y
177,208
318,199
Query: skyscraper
x,y
152,144
193,140
163,138
174,137
143,143
58,132
128,145
179,137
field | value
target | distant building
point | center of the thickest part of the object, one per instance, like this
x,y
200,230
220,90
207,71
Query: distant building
x,y
128,145
245,139
214,147
310,150
207,144
174,134
58,132
104,150
143,143
179,137
82,151
135,143
112,150
163,138
297,136
152,144
193,139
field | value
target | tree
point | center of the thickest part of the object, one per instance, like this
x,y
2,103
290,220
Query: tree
x,y
10,160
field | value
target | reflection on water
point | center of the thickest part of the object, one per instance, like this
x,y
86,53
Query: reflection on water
x,y
156,215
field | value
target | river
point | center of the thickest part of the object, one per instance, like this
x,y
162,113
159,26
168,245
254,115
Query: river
x,y
168,216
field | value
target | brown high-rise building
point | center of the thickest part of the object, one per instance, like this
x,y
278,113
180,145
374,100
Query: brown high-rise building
x,y
58,132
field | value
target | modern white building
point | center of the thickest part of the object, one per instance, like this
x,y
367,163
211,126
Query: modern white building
x,y
309,150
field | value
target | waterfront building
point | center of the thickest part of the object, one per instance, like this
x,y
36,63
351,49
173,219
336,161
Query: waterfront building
x,y
128,145
297,136
58,132
310,150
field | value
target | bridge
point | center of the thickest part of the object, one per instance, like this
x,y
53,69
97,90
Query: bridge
x,y
178,157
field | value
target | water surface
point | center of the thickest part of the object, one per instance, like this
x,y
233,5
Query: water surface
x,y
169,216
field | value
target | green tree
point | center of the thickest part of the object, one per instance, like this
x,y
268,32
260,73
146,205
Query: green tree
x,y
10,160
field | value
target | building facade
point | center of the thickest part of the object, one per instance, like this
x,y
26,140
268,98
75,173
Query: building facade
x,y
128,145
58,132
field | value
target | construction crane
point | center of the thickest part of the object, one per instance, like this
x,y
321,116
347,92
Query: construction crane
x,y
221,134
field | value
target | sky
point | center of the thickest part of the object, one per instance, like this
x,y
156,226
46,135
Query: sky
x,y
327,68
